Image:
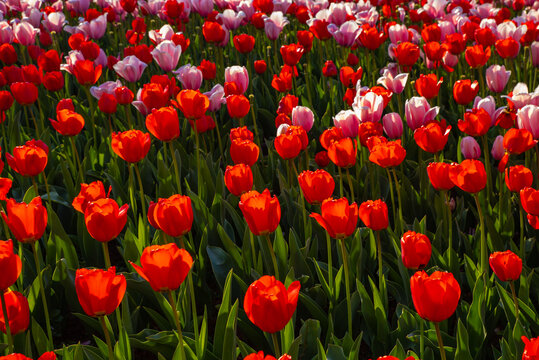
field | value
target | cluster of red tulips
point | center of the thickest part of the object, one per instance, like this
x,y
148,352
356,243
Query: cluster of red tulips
x,y
223,130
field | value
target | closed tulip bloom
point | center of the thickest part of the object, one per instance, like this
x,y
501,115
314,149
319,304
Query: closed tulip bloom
x,y
269,305
343,152
416,250
287,145
322,159
393,126
374,214
244,43
428,86
174,215
15,356
238,106
418,112
104,219
517,141
518,177
165,267
497,78
53,81
261,211
238,179
191,77
260,66
338,217
130,68
68,122
477,56
164,123
436,296
192,103
18,313
387,154
470,148
27,222
439,176
329,69
292,54
238,75
531,348
348,122
497,151
433,136
407,53
131,145
303,116
166,55
5,186
529,198
107,104
507,48
316,186
100,292
506,265
88,194
244,152
476,122
464,91
6,100
528,118
29,159
470,175
10,265
25,93
86,72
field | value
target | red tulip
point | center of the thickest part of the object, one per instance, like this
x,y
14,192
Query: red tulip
x,y
470,175
433,136
238,106
507,48
27,222
288,145
374,214
415,250
244,43
517,141
338,217
164,123
316,186
5,186
104,219
241,133
529,198
260,356
107,104
29,159
506,265
518,177
192,103
531,348
88,194
238,179
131,145
86,72
100,292
387,154
436,296
464,91
53,81
476,122
292,54
477,56
165,267
269,305
173,215
428,86
10,265
260,66
407,53
244,152
439,176
261,211
343,152
208,68
25,93
18,313
68,122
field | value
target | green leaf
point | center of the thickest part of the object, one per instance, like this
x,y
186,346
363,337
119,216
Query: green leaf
x,y
229,336
222,317
463,351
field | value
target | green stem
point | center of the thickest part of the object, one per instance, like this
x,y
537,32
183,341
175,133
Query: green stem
x,y
77,158
484,262
397,187
347,284
176,171
487,167
177,320
380,260
35,185
340,180
421,338
330,267
219,141
350,184
91,110
107,337
522,238
192,294
6,321
440,342
253,249
47,190
106,255
273,257
449,227
197,150
276,344
50,343
389,178
142,201
515,299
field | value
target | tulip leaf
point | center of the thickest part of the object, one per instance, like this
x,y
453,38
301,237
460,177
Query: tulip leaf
x,y
321,351
221,263
229,336
322,279
231,248
462,352
39,337
354,351
335,353
202,341
476,315
64,245
398,350
222,316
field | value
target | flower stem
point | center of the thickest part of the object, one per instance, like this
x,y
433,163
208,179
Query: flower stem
x,y
106,254
275,344
487,167
380,260
43,299
515,299
522,238
397,187
177,320
192,294
330,267
340,180
350,184
421,338
176,171
449,227
35,185
6,321
484,262
142,201
389,178
440,342
347,284
107,337
197,151
77,158
273,257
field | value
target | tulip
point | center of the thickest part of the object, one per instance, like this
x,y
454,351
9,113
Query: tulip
x,y
506,265
166,55
25,33
470,148
86,72
261,211
343,152
192,103
394,83
88,194
274,24
244,43
531,348
369,108
387,154
436,296
100,292
470,175
104,219
131,145
528,118
368,130
338,217
208,69
498,150
517,141
303,116
292,54
529,198
374,214
107,104
18,312
477,56
287,145
428,86
130,68
260,66
316,186
217,97
518,177
244,152
269,305
164,123
239,75
416,250
238,106
433,136
497,78
260,356
29,159
464,91
476,122
25,93
406,53
439,176
5,186
507,48
349,77
27,222
345,35
348,122
322,159
238,179
173,215
190,77
392,125
10,264
418,112
165,267
329,69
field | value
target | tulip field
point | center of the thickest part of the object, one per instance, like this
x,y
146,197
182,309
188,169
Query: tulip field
x,y
269,179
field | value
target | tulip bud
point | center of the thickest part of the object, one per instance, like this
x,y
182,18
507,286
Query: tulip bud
x,y
392,125
470,148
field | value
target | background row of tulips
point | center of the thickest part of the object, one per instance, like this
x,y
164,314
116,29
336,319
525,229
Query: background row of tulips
x,y
259,179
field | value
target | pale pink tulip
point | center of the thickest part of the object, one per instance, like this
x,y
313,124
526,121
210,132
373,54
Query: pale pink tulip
x,y
217,97
348,122
469,147
392,125
497,150
166,55
345,35
528,118
418,112
394,83
130,68
497,78
190,77
368,107
25,33
239,75
303,116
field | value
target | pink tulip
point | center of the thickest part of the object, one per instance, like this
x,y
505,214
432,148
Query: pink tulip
x,y
368,107
394,83
450,59
338,13
54,21
231,19
398,33
107,87
25,33
522,97
239,75
6,33
348,122
498,150
190,77
166,55
217,97
164,33
345,35
274,24
418,112
96,28
528,118
303,116
130,68
203,7
392,125
497,78
488,104
470,148
535,53
79,6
